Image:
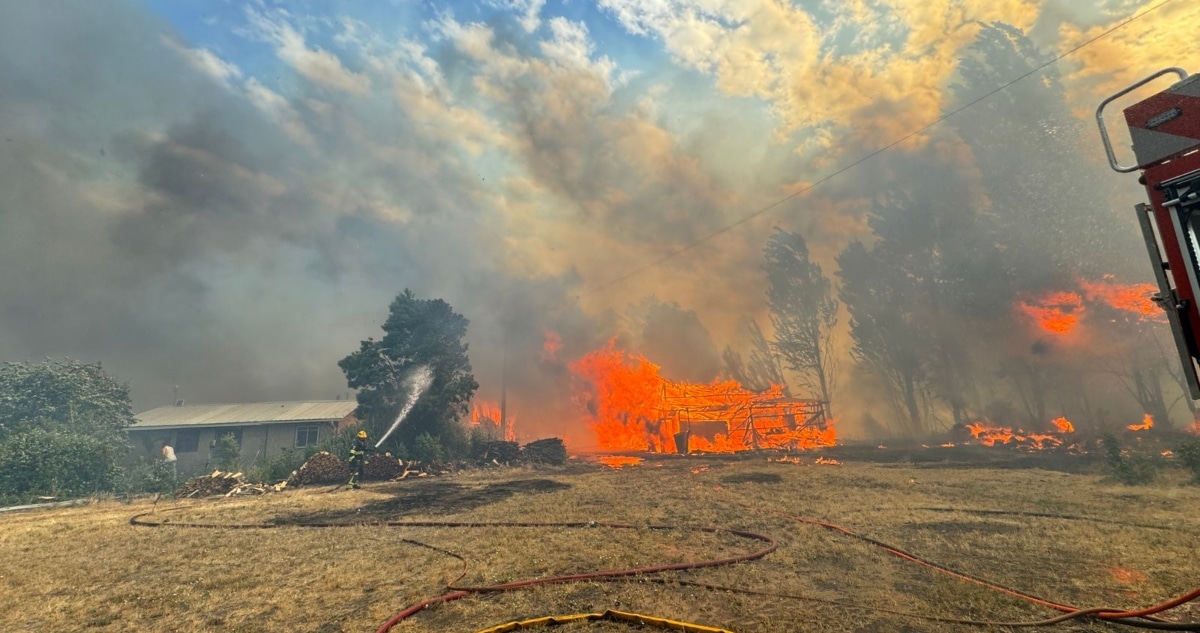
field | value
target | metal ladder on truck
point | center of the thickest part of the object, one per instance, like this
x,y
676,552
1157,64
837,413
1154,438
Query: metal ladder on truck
x,y
1165,130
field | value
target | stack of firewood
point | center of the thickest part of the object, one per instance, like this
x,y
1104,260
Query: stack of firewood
x,y
382,467
548,451
225,484
321,468
501,452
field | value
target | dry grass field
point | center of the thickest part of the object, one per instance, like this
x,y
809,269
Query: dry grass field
x,y
87,569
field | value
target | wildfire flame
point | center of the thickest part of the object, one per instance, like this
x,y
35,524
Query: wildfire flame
x,y
828,461
1146,425
1056,312
1063,425
630,406
489,413
988,435
1194,428
1134,298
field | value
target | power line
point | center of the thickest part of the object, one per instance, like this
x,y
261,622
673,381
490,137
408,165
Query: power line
x,y
845,168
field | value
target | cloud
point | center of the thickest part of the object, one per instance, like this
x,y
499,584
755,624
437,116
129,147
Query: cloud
x,y
318,65
206,62
1137,49
827,98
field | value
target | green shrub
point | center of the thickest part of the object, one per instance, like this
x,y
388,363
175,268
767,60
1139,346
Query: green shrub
x,y
56,463
227,453
1131,470
427,448
1189,456
337,444
141,475
277,469
478,441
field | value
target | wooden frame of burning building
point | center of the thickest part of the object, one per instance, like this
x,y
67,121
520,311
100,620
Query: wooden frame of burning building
x,y
711,420
263,429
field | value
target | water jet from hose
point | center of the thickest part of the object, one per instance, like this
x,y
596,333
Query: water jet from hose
x,y
418,382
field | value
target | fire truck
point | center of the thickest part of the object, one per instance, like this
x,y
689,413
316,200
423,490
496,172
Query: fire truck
x,y
1165,131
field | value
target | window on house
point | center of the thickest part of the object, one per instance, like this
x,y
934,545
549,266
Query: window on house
x,y
187,441
306,436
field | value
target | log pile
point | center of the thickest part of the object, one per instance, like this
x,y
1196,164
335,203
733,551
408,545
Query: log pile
x,y
382,468
223,484
548,451
501,452
321,468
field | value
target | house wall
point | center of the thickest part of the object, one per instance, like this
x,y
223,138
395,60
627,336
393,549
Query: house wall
x,y
257,442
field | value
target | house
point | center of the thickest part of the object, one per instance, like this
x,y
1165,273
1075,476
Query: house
x,y
263,429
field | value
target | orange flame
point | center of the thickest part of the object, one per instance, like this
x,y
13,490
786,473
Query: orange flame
x,y
991,435
1055,312
828,461
1063,425
1135,298
489,412
1193,428
630,406
617,461
1146,425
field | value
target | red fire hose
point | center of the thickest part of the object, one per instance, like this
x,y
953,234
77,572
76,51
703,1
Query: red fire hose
x,y
1112,615
1116,616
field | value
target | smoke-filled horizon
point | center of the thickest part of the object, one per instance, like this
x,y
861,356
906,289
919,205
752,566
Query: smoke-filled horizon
x,y
227,197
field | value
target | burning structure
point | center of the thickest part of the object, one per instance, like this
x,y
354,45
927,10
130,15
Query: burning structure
x,y
631,406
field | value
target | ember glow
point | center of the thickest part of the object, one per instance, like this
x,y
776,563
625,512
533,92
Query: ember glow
x,y
487,415
1055,312
1146,425
618,461
989,435
630,406
551,344
1127,576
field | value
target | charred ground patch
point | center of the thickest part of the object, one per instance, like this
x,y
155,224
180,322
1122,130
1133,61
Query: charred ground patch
x,y
436,498
752,478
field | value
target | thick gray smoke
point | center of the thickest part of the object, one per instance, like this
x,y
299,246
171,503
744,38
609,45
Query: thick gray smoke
x,y
170,215
152,219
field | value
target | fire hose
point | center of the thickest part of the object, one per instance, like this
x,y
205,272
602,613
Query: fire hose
x,y
1142,618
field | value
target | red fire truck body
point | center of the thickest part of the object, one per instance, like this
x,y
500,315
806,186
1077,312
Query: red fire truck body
x,y
1165,130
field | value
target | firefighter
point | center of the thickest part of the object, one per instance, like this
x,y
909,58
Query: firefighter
x,y
358,458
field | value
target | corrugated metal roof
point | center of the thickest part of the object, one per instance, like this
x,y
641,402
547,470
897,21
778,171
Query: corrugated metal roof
x,y
249,413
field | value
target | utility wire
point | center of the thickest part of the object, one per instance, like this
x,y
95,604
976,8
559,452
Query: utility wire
x,y
841,170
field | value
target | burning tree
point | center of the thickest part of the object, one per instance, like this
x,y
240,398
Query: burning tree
x,y
418,332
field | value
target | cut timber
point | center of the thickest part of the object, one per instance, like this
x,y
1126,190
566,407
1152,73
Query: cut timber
x,y
321,468
548,451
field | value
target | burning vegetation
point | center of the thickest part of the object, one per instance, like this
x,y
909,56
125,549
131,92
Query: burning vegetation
x,y
1058,312
498,424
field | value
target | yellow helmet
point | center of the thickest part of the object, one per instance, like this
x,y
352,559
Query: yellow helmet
x,y
362,435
